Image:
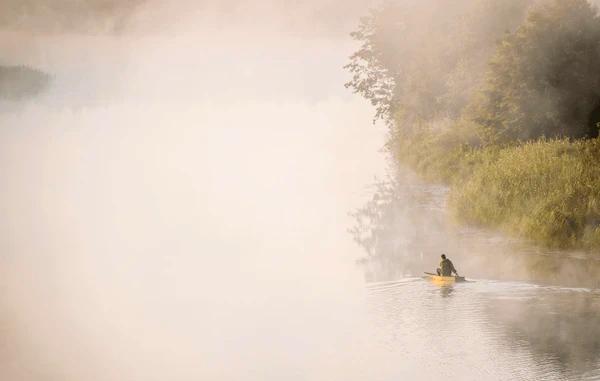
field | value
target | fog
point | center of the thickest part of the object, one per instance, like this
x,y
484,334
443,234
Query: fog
x,y
314,17
175,206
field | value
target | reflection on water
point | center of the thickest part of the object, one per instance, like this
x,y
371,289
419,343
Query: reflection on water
x,y
488,330
446,291
406,226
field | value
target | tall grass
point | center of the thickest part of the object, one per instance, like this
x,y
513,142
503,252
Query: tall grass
x,y
547,191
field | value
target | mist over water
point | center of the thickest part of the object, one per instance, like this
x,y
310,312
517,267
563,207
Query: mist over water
x,y
176,206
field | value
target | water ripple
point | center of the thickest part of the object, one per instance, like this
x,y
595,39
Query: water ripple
x,y
488,330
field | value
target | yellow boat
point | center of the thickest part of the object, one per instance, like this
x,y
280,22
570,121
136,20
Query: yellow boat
x,y
444,280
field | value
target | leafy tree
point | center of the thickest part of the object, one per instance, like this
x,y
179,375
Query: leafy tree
x,y
370,77
420,62
544,79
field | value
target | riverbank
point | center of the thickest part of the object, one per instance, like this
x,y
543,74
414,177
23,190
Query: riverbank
x,y
545,191
408,223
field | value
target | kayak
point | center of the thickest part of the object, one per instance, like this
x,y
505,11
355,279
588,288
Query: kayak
x,y
443,280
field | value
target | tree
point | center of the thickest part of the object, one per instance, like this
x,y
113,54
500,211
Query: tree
x,y
420,62
370,77
544,79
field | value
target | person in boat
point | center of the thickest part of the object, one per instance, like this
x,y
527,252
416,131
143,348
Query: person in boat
x,y
446,267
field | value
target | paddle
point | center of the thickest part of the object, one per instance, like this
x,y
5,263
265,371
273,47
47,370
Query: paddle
x,y
458,276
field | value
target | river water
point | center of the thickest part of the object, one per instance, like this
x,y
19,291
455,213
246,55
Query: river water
x,y
525,313
488,330
178,209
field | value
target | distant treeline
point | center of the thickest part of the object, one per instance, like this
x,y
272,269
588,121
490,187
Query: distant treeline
x,y
20,82
66,15
467,88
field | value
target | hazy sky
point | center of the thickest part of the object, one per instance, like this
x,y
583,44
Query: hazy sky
x,y
324,17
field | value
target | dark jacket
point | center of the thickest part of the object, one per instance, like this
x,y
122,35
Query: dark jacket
x,y
446,267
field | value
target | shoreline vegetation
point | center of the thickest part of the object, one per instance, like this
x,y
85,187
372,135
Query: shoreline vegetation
x,y
498,100
546,191
21,82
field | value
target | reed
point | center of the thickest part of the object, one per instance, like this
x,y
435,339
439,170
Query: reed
x,y
547,191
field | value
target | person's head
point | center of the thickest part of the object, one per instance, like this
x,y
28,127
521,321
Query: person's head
x,y
443,256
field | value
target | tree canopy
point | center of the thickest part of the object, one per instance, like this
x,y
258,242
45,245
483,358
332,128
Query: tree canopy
x,y
516,69
544,79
